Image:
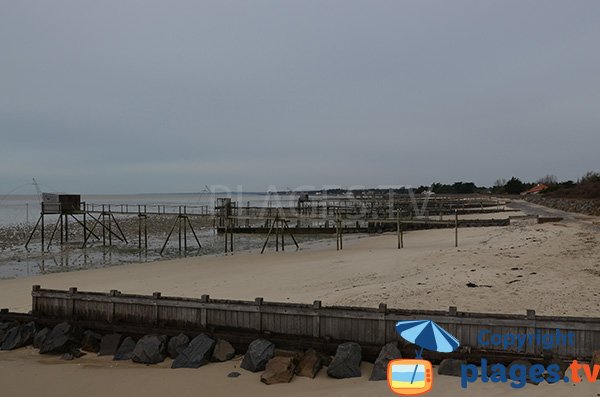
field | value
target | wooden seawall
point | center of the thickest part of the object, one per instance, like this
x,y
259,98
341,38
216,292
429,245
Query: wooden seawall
x,y
371,327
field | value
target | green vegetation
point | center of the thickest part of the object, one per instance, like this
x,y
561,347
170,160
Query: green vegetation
x,y
588,187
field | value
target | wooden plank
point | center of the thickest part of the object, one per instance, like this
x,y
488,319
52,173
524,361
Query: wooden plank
x,y
363,325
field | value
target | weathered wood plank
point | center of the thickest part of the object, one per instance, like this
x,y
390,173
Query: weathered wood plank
x,y
371,326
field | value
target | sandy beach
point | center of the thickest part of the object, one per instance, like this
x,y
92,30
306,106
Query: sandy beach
x,y
101,377
551,268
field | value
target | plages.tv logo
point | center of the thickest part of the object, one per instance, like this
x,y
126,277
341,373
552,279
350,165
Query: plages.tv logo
x,y
411,377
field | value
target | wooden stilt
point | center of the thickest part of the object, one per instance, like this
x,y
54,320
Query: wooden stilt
x,y
33,231
291,235
42,230
60,217
267,239
66,228
456,228
226,230
58,221
169,236
85,228
194,233
119,228
84,225
145,231
110,233
139,230
276,233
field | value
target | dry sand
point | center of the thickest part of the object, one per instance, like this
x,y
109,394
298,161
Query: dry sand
x,y
552,268
26,373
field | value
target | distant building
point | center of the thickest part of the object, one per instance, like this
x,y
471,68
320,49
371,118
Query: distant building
x,y
540,187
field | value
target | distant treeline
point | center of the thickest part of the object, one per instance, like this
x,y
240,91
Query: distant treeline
x,y
588,186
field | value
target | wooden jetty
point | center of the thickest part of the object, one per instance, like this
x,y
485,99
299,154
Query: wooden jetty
x,y
301,215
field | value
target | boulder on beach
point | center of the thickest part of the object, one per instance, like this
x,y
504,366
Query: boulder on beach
x,y
260,351
125,351
295,354
19,336
61,339
223,351
151,349
279,369
451,367
177,344
91,341
4,328
310,364
388,353
109,344
326,359
524,366
72,354
197,353
562,368
346,362
39,337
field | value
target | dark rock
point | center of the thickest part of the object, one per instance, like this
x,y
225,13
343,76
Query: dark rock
x,y
346,362
5,327
151,349
388,352
77,353
233,374
525,366
72,354
279,369
450,367
67,357
125,351
61,339
91,341
562,368
595,359
39,337
259,353
19,336
310,364
295,354
197,354
326,359
177,344
223,351
109,344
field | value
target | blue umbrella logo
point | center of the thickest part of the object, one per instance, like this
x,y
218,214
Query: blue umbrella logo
x,y
427,335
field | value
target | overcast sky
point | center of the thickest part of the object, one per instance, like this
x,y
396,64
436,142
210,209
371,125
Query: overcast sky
x,y
168,96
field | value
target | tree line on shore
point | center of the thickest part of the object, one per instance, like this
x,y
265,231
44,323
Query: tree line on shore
x,y
588,186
